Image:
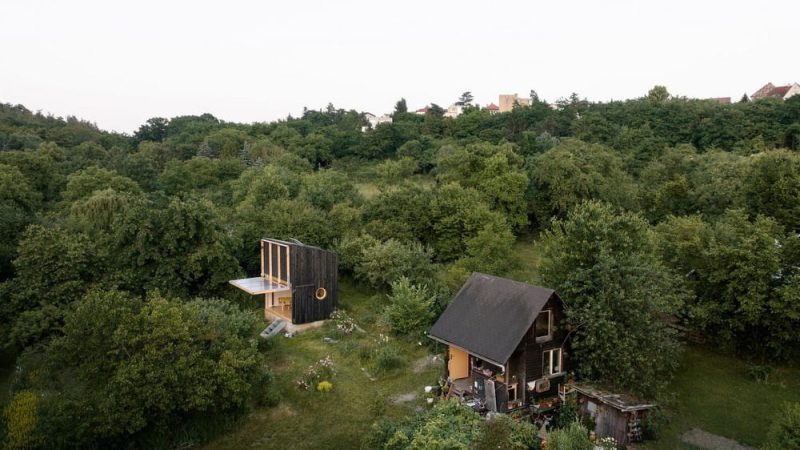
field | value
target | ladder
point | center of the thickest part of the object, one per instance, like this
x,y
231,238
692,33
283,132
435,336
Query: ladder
x,y
273,328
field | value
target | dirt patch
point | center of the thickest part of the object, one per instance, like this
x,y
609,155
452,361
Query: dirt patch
x,y
704,439
421,364
403,398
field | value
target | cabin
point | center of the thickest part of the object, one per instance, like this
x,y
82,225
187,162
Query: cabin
x,y
299,282
505,343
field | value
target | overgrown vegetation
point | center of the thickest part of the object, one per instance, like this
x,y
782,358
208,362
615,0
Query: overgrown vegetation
x,y
651,211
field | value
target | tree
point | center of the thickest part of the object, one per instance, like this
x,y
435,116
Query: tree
x,y
125,369
602,264
658,94
53,268
155,129
400,107
380,263
772,187
465,99
574,171
743,278
410,309
83,183
744,98
495,171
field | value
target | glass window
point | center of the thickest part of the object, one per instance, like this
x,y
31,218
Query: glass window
x,y
542,327
551,362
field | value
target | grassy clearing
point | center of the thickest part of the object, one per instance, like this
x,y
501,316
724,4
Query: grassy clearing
x,y
338,419
526,250
714,392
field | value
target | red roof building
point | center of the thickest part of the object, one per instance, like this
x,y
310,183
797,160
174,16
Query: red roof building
x,y
770,90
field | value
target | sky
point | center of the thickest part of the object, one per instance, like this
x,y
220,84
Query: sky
x,y
117,63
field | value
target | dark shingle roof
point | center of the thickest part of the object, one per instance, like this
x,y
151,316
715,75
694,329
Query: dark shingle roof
x,y
489,316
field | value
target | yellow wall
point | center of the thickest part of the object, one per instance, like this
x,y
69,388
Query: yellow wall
x,y
458,365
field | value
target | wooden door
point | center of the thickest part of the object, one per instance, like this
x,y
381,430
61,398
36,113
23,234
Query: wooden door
x,y
458,365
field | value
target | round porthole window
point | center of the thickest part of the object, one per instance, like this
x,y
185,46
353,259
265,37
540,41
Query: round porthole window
x,y
321,293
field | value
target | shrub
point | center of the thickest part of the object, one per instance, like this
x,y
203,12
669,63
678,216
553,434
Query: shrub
x,y
266,392
573,437
342,322
322,370
386,357
324,386
410,309
784,432
20,421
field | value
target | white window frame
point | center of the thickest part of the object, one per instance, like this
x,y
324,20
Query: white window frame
x,y
549,335
547,362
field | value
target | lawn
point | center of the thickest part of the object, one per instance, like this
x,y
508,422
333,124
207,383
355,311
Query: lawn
x,y
715,393
308,419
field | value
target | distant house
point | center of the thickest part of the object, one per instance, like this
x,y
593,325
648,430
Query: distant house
x,y
721,100
374,120
782,92
507,102
299,282
493,109
423,110
454,111
504,342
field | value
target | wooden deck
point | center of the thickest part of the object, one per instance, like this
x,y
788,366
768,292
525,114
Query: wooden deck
x,y
284,311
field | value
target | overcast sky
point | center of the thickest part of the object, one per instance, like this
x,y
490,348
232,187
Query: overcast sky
x,y
118,63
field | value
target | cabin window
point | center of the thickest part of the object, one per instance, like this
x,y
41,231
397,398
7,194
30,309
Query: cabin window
x,y
551,362
321,294
543,326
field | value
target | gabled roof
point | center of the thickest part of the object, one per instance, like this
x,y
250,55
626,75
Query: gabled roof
x,y
493,107
489,316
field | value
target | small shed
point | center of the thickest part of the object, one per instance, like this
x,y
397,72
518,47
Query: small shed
x,y
620,416
299,282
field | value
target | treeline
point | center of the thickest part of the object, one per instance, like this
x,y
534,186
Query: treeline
x,y
652,210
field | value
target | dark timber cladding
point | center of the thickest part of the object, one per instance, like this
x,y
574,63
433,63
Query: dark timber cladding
x,y
489,316
311,268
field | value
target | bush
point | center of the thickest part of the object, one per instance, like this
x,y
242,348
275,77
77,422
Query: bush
x,y
20,419
342,322
573,437
322,370
386,357
410,309
784,433
324,386
266,392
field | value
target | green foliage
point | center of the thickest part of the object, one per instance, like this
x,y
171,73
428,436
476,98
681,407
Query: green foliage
x,y
745,288
155,242
125,367
380,263
326,188
20,419
772,187
495,172
503,432
573,172
784,432
410,309
573,437
457,215
53,269
602,264
83,183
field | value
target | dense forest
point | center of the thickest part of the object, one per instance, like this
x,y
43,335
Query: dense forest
x,y
655,216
